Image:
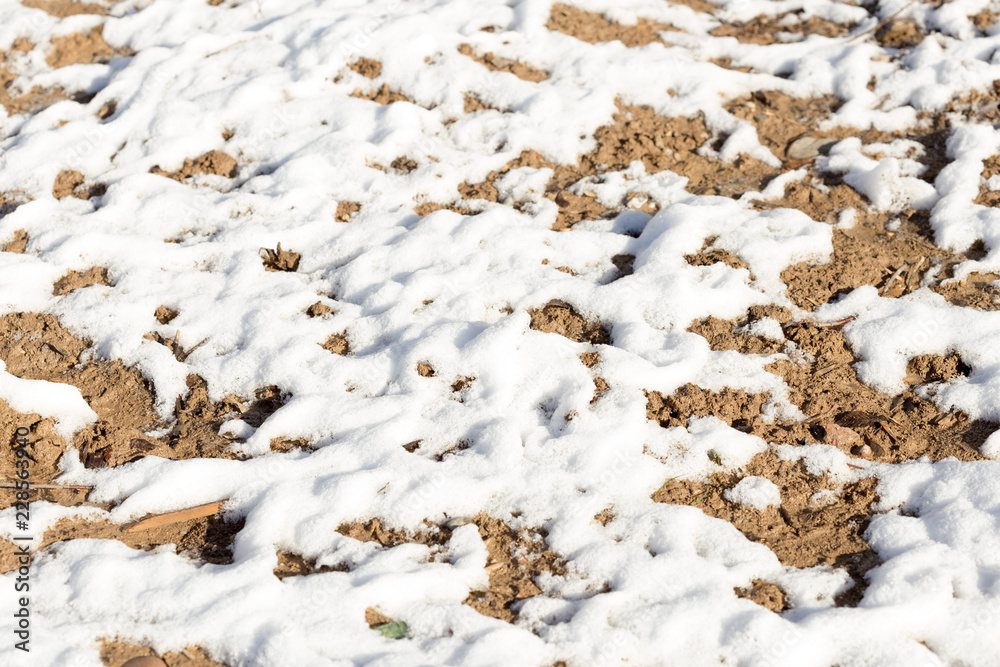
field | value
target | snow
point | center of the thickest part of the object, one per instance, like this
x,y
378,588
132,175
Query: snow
x,y
758,493
435,290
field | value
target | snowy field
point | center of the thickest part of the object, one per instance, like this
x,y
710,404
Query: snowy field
x,y
510,332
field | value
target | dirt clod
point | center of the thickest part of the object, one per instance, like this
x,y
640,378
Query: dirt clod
x,y
70,183
338,344
561,318
213,162
280,259
766,594
75,280
367,67
346,210
17,244
495,63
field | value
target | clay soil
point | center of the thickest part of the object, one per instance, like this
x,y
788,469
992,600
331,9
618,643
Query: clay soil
x,y
840,410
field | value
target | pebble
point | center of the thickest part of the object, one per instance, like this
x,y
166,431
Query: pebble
x,y
145,661
809,146
840,436
636,200
863,452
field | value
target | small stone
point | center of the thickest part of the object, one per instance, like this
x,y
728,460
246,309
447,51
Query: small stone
x,y
636,200
863,452
145,661
840,436
808,146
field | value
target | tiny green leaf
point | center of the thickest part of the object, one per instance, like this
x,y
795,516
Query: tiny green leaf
x,y
393,630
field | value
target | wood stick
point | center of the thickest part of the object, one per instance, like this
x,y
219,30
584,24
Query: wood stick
x,y
32,485
892,279
881,23
834,324
208,509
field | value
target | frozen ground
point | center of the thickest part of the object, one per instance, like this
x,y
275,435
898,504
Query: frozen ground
x,y
456,292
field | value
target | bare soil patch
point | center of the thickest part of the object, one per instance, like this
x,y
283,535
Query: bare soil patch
x,y
293,565
63,8
18,244
382,95
766,594
213,162
71,183
346,210
840,409
82,48
869,254
75,280
496,63
115,653
337,344
804,531
205,540
515,561
32,101
765,30
710,255
367,67
635,133
594,28
561,318
280,259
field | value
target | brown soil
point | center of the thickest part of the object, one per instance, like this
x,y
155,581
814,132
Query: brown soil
x,y
292,565
206,540
213,162
991,167
80,48
372,530
828,392
37,347
425,370
976,291
319,309
710,255
383,95
367,67
375,618
495,63
867,254
636,133
18,244
63,8
164,315
561,318
764,30
594,28
765,594
34,100
75,280
280,260
70,183
515,560
115,653
338,344
900,33
801,532
346,210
